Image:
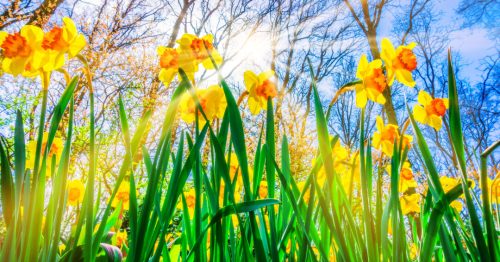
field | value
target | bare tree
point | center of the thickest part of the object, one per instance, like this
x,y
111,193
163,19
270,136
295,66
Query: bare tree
x,y
35,12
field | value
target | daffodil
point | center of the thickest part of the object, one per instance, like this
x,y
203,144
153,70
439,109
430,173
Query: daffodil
x,y
260,88
200,49
448,183
410,203
399,62
122,196
235,220
234,166
345,164
413,251
190,197
407,179
351,176
120,239
61,248
76,191
171,60
263,189
60,41
21,51
222,190
431,110
373,82
212,101
494,186
385,137
54,153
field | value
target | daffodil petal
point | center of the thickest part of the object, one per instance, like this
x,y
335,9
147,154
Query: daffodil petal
x,y
424,98
361,99
405,77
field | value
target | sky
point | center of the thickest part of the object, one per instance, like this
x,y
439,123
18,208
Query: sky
x,y
473,44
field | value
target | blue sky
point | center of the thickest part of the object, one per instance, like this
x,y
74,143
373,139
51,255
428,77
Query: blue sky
x,y
473,44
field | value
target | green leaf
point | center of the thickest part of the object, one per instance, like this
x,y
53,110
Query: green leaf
x,y
7,184
245,207
458,146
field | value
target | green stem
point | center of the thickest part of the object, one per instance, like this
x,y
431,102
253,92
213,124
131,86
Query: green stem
x,y
89,224
35,224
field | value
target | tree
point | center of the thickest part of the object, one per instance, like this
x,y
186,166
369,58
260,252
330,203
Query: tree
x,y
35,12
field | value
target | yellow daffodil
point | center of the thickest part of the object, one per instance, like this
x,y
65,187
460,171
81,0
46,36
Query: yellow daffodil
x,y
410,203
494,186
55,152
385,137
234,220
431,110
171,60
212,101
200,49
263,189
61,248
413,251
448,183
222,190
21,51
407,179
351,176
234,166
120,239
407,140
399,62
122,196
340,155
345,164
190,201
76,191
60,41
259,88
373,82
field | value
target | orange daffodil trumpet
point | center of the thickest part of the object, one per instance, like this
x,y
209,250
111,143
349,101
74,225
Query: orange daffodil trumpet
x,y
399,63
431,110
259,88
386,135
373,82
31,51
